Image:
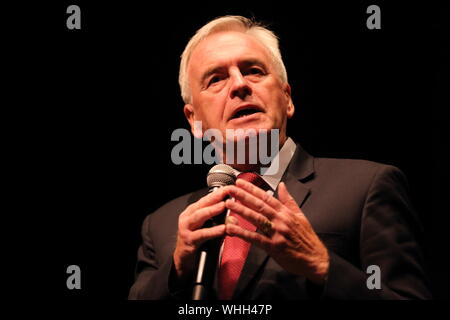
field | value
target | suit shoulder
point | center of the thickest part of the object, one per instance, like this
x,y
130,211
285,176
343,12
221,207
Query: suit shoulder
x,y
351,165
354,170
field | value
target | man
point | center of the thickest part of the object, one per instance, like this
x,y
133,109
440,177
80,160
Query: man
x,y
315,227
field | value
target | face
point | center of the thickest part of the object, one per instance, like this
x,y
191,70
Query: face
x,y
234,85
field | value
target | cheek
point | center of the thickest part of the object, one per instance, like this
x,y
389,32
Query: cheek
x,y
277,104
210,113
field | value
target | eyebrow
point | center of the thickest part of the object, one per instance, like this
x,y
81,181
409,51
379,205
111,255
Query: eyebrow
x,y
244,63
253,62
210,72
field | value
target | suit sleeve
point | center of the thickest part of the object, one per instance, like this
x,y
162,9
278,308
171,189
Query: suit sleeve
x,y
389,238
155,280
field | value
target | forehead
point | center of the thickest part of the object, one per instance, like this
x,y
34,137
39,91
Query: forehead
x,y
227,47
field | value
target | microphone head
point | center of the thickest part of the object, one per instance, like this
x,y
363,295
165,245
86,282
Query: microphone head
x,y
220,175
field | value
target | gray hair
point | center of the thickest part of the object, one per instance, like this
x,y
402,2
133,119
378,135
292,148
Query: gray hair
x,y
230,23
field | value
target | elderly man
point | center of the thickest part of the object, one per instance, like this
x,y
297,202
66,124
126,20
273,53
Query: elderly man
x,y
328,223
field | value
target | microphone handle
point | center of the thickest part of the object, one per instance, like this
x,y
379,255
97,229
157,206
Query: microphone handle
x,y
208,258
218,219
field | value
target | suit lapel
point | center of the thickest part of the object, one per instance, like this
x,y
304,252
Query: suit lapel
x,y
300,169
297,189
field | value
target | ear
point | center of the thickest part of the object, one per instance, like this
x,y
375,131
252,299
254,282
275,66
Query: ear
x,y
189,113
290,105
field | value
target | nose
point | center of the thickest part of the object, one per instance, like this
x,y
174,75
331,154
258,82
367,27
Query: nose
x,y
239,86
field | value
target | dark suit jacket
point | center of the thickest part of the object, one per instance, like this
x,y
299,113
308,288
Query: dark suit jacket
x,y
360,210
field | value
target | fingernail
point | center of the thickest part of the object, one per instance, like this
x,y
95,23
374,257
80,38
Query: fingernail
x,y
231,220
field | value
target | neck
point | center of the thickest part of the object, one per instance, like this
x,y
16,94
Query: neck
x,y
248,164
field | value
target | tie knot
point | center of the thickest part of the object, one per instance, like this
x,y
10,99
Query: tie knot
x,y
255,179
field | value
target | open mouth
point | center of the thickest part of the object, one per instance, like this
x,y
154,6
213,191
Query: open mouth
x,y
245,112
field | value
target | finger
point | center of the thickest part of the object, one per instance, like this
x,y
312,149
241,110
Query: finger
x,y
259,193
201,235
259,205
250,215
286,199
252,237
208,200
200,216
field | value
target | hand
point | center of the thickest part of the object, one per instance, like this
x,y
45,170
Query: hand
x,y
292,241
190,232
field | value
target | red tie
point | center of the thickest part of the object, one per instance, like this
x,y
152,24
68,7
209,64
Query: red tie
x,y
235,250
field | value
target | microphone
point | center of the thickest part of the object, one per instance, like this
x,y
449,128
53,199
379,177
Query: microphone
x,y
219,176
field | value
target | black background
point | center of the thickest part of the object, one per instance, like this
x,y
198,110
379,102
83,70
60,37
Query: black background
x,y
93,111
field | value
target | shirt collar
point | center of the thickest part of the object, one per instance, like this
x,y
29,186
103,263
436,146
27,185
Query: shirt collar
x,y
283,157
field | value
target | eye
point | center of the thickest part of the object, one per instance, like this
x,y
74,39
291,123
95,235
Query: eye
x,y
255,71
215,79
